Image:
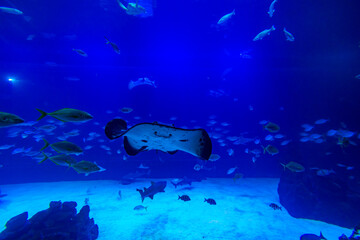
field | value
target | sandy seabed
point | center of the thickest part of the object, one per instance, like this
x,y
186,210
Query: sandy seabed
x,y
242,210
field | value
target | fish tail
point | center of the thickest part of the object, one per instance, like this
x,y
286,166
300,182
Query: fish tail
x,y
45,146
204,199
282,164
43,114
107,40
145,208
263,149
45,157
273,28
141,193
175,185
178,197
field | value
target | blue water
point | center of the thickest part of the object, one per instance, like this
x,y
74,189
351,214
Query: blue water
x,y
202,72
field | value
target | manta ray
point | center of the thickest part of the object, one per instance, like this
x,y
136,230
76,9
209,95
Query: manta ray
x,y
155,136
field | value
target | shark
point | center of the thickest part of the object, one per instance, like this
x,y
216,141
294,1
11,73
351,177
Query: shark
x,y
149,192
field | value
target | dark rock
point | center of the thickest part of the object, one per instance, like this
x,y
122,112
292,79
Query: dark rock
x,y
59,222
17,222
324,198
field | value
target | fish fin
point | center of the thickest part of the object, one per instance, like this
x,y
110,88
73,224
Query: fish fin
x,y
122,5
322,236
145,208
172,152
45,146
174,184
130,150
151,197
45,157
141,194
152,182
282,164
43,114
115,128
107,40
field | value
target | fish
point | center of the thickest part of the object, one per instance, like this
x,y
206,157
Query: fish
x,y
156,187
324,172
8,119
63,147
278,136
272,8
210,201
224,19
331,132
272,127
182,182
312,237
67,115
141,81
61,160
321,121
126,110
133,9
80,52
275,206
285,142
143,166
357,76
140,208
237,176
264,33
214,157
289,37
293,166
185,198
6,146
87,167
271,150
113,45
231,170
155,136
198,167
11,10
230,152
269,137
345,133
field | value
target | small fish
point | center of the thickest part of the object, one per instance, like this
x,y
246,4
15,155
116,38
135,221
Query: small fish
x,y
357,76
8,119
275,206
269,137
113,45
278,136
63,147
312,237
263,122
11,10
141,81
238,176
210,201
140,208
293,166
345,133
18,150
231,170
321,121
7,146
331,132
185,198
87,167
324,172
214,157
264,33
61,160
272,8
272,127
197,167
67,115
271,150
285,142
230,152
257,141
289,37
307,127
143,166
226,18
126,110
80,52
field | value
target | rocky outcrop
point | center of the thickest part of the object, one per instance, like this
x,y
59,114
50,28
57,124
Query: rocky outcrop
x,y
59,221
326,198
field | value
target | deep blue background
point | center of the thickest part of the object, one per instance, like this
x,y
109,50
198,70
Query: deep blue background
x,y
185,53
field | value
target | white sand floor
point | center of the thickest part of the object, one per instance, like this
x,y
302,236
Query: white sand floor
x,y
242,210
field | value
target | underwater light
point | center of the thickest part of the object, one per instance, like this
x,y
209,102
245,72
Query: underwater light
x,y
11,79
